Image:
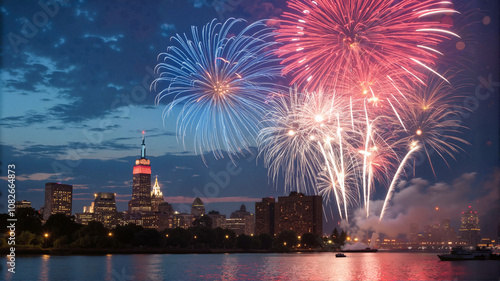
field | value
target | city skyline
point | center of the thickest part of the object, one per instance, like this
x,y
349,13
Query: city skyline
x,y
76,98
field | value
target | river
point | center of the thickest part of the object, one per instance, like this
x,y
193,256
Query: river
x,y
293,266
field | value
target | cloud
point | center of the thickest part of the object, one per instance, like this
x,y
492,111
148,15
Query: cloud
x,y
418,201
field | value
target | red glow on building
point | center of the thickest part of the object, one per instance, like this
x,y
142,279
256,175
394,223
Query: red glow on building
x,y
141,169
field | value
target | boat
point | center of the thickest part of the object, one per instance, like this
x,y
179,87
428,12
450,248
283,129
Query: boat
x,y
461,254
340,255
366,250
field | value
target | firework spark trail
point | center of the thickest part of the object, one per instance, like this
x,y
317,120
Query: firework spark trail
x,y
219,82
331,177
414,147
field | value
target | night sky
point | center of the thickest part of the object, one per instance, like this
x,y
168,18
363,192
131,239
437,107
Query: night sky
x,y
75,98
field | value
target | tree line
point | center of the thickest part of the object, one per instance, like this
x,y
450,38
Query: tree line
x,y
60,231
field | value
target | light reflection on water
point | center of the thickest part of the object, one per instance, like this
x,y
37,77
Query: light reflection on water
x,y
295,266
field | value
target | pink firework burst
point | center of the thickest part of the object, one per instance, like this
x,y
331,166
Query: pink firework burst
x,y
327,40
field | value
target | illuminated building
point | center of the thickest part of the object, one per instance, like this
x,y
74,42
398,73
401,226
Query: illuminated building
x,y
301,213
156,196
197,208
23,204
139,207
218,220
182,220
469,233
141,185
237,225
241,221
266,216
89,209
164,216
84,218
105,209
58,199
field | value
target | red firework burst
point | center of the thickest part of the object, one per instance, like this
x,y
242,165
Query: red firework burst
x,y
325,40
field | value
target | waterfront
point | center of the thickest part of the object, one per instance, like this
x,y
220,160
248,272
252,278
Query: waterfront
x,y
294,266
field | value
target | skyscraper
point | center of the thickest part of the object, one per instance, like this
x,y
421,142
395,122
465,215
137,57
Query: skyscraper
x,y
141,186
105,209
156,196
266,216
197,208
469,232
58,199
301,213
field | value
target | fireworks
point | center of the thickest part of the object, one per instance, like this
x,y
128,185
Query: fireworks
x,y
367,97
219,81
326,39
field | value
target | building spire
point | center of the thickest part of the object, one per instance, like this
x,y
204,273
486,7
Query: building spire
x,y
143,147
156,189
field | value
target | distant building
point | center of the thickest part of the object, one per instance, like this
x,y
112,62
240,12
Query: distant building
x,y
266,216
89,209
141,184
84,218
301,213
182,220
164,216
469,232
218,220
105,209
23,204
414,233
156,196
58,199
238,216
238,225
139,207
197,208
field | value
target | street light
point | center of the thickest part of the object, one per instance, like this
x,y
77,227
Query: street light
x,y
110,234
46,235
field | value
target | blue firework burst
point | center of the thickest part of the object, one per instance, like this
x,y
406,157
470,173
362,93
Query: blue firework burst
x,y
219,81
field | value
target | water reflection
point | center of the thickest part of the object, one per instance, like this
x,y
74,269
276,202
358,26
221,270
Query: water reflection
x,y
44,268
293,266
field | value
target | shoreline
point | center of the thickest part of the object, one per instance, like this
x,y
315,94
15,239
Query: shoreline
x,y
20,251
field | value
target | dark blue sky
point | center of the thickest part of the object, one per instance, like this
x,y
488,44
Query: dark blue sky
x,y
75,96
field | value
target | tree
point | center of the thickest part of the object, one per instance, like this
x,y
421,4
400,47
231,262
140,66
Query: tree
x,y
28,219
59,225
148,237
204,236
339,239
342,238
125,235
287,238
244,242
335,235
309,240
266,241
179,238
203,221
225,238
25,238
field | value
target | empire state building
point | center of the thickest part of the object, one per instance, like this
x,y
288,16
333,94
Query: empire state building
x,y
141,187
